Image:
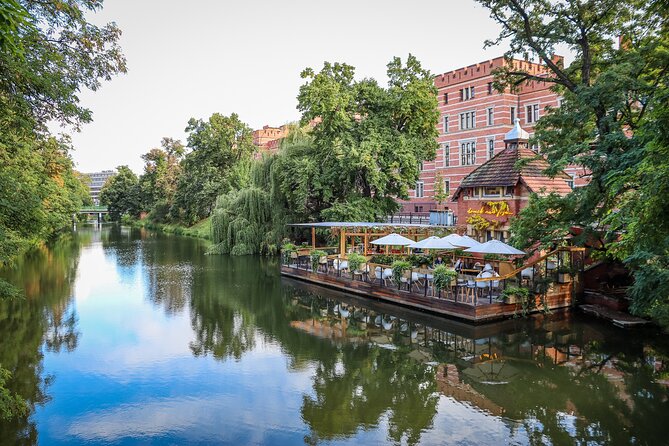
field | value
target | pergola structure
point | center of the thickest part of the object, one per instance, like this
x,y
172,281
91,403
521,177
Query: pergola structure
x,y
367,231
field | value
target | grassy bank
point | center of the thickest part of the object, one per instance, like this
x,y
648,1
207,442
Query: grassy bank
x,y
201,229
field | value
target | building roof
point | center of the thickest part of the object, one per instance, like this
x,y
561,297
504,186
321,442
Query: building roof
x,y
517,133
503,170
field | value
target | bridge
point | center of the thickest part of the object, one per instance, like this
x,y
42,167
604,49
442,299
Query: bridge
x,y
97,211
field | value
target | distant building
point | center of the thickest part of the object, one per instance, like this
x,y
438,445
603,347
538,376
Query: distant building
x,y
473,120
498,189
267,139
98,180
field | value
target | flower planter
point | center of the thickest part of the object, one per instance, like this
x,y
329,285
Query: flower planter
x,y
564,278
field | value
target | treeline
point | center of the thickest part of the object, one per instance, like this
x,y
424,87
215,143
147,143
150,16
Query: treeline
x,y
48,53
356,150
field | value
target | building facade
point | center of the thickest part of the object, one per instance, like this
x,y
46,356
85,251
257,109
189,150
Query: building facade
x,y
494,192
267,139
97,181
474,118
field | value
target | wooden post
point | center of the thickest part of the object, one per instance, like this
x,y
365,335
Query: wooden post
x,y
365,242
342,241
313,238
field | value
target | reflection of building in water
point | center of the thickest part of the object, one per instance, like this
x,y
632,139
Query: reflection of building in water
x,y
504,368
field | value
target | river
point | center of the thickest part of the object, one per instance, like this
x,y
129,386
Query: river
x,y
131,337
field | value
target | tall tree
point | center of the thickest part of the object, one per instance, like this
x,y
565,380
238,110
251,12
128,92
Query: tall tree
x,y
158,183
219,161
121,194
614,96
369,140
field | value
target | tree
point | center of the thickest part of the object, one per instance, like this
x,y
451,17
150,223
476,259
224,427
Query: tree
x,y
369,142
614,97
121,194
158,184
218,162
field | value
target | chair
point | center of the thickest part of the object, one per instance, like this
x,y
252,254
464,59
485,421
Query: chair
x,y
470,292
323,263
360,272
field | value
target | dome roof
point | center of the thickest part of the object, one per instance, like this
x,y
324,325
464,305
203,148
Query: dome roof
x,y
517,133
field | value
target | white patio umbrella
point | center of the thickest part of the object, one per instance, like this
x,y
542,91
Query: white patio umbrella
x,y
468,242
495,247
456,240
433,243
393,240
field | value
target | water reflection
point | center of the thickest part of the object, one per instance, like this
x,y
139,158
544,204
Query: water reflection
x,y
163,344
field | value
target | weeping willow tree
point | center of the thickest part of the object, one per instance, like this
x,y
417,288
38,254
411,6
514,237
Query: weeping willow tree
x,y
250,220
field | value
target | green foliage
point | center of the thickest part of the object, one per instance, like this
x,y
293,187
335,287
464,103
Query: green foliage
x,y
399,267
417,260
384,259
9,291
218,163
122,194
493,257
158,183
443,277
355,260
366,149
11,404
612,123
315,256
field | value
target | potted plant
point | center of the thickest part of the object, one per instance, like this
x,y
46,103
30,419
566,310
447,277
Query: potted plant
x,y
443,277
354,262
564,274
315,256
287,249
513,295
399,267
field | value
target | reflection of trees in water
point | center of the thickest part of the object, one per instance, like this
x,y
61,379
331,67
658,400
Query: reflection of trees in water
x,y
46,315
572,382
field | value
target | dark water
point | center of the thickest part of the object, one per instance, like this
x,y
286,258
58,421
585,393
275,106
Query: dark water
x,y
128,337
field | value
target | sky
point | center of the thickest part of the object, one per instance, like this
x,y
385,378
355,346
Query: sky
x,y
195,58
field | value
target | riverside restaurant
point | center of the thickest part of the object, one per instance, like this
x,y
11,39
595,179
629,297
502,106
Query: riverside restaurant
x,y
453,275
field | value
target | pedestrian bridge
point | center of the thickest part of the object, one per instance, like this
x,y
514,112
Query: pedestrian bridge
x,y
94,210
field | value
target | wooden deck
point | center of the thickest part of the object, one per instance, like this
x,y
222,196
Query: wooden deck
x,y
560,296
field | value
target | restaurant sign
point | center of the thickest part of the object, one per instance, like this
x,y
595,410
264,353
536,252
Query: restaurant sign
x,y
496,208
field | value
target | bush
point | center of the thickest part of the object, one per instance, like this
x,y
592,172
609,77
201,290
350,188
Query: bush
x,y
399,267
420,259
443,277
315,256
354,261
383,259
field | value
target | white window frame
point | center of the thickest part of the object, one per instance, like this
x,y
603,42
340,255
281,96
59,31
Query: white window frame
x,y
447,186
488,147
445,123
420,187
533,115
467,152
447,154
498,194
466,117
514,114
490,115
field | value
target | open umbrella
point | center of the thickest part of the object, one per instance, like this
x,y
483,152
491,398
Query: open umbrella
x,y
468,242
491,372
393,240
456,240
433,243
495,247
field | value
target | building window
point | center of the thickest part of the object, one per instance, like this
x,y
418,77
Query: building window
x,y
420,189
560,100
447,187
491,116
466,93
492,191
445,124
571,182
491,148
467,120
513,115
447,155
445,98
489,87
532,113
421,167
468,153
418,208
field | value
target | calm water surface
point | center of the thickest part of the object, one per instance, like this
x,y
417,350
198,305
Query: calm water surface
x,y
130,337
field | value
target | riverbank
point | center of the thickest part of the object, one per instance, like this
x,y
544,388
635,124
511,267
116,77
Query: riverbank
x,y
201,229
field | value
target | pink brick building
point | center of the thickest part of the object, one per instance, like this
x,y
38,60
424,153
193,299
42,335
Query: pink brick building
x,y
473,121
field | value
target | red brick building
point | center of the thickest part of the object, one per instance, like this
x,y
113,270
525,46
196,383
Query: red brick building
x,y
267,139
499,188
473,121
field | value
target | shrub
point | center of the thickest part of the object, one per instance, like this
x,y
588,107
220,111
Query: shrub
x,y
419,259
399,267
443,277
315,256
354,261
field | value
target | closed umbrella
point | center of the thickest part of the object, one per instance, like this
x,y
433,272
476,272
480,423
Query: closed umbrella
x,y
393,240
495,247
